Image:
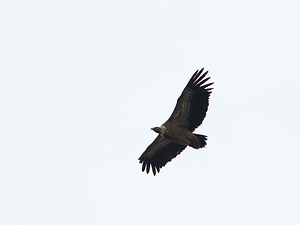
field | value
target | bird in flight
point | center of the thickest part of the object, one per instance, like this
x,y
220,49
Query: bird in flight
x,y
177,132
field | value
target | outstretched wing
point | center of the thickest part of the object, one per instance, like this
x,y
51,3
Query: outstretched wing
x,y
192,104
159,153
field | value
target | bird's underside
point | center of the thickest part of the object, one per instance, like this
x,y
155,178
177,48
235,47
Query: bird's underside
x,y
176,133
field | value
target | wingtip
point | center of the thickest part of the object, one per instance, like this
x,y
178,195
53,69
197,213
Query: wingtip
x,y
143,166
195,76
201,70
153,169
148,167
206,85
195,73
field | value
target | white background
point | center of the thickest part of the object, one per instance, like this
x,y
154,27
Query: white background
x,y
82,83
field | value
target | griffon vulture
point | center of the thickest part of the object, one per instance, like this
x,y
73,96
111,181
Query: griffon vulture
x,y
177,132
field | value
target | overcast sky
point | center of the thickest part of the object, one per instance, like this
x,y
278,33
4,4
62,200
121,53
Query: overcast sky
x,y
82,83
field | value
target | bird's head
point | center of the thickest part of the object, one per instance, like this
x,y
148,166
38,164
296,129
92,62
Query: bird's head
x,y
160,130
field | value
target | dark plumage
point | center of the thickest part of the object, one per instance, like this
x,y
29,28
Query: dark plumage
x,y
176,133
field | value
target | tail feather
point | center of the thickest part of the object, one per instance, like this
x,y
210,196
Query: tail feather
x,y
202,140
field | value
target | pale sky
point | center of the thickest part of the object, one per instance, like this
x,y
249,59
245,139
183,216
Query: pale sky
x,y
82,83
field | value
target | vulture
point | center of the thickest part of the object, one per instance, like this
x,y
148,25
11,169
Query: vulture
x,y
177,132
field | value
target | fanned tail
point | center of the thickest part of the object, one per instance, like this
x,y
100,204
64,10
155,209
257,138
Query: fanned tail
x,y
202,140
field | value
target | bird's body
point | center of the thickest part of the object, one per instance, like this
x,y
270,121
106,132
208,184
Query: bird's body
x,y
179,135
177,132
